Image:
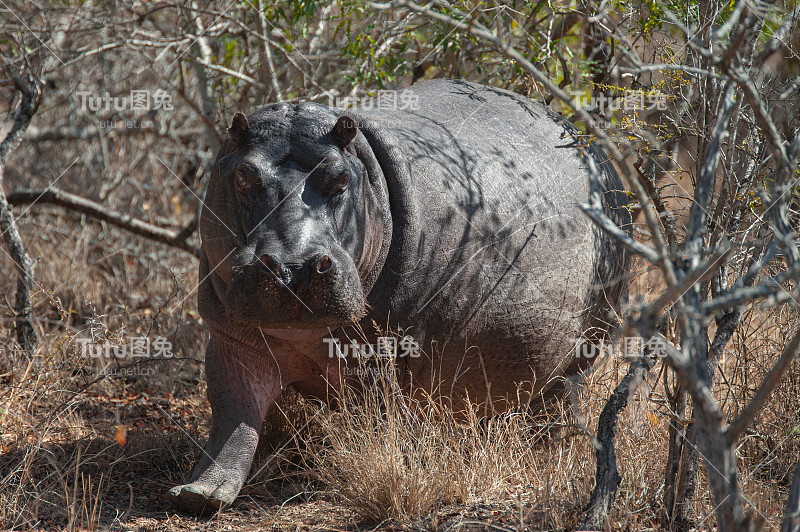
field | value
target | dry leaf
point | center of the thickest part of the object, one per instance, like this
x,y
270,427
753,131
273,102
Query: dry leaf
x,y
121,434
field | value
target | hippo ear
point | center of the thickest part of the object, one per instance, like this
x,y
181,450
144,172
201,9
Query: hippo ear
x,y
344,131
239,127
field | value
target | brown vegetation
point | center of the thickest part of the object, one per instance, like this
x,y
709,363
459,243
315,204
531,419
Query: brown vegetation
x,y
93,443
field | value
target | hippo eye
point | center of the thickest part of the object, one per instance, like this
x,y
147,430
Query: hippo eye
x,y
341,182
241,180
245,182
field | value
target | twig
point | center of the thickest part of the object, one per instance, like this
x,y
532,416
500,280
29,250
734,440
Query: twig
x,y
269,64
599,217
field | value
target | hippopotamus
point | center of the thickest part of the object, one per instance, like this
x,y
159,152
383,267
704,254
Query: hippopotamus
x,y
450,217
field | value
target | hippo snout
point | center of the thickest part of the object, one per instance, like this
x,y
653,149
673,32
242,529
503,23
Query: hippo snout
x,y
318,266
321,290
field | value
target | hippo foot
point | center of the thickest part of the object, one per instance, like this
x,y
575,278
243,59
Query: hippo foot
x,y
202,497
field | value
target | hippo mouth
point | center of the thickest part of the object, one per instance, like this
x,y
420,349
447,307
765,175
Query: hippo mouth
x,y
294,296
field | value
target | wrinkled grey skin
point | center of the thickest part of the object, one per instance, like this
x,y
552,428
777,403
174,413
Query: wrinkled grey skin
x,y
456,221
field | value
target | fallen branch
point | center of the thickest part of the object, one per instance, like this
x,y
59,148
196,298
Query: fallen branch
x,y
54,196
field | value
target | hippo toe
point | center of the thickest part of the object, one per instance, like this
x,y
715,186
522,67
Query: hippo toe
x,y
199,497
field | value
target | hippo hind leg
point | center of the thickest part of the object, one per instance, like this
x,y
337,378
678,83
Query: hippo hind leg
x,y
240,390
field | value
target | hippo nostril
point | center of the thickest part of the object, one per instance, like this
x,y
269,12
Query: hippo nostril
x,y
267,264
324,264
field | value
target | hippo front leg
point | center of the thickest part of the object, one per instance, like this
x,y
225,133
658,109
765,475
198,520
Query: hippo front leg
x,y
241,387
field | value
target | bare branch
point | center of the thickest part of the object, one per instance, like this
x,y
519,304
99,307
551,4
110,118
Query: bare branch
x,y
479,31
607,478
599,217
269,64
31,95
54,196
693,278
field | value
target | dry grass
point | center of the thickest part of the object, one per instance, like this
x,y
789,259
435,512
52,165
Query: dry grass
x,y
60,411
378,460
70,456
80,450
388,456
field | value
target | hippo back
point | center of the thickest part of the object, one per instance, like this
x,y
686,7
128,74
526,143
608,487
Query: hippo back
x,y
491,260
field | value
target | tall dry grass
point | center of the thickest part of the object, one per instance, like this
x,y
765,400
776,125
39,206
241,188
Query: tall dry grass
x,y
378,453
61,461
388,456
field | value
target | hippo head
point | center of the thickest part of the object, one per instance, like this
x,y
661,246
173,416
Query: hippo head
x,y
293,225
